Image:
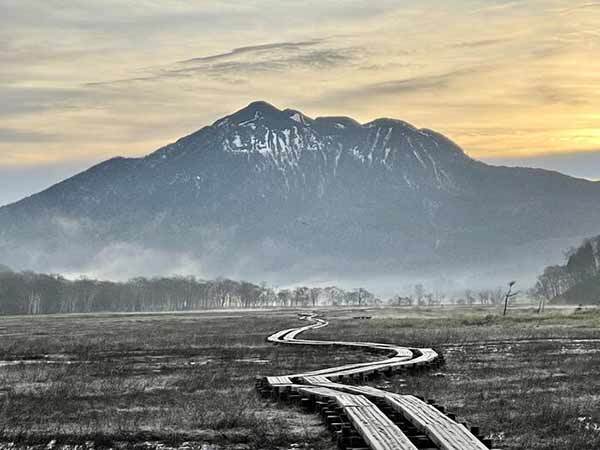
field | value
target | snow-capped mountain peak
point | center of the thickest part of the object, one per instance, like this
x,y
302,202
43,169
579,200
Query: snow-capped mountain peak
x,y
265,189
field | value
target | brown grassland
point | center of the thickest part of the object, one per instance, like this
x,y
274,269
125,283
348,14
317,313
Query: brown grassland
x,y
187,380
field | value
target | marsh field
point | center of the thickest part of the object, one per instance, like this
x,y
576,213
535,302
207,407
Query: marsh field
x,y
187,380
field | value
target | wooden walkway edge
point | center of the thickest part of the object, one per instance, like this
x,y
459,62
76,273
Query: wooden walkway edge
x,y
363,417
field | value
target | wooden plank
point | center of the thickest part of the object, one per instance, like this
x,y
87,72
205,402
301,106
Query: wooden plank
x,y
316,380
334,371
358,390
352,401
377,430
441,430
279,381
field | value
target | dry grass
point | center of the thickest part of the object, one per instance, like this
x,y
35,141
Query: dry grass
x,y
176,378
529,383
136,378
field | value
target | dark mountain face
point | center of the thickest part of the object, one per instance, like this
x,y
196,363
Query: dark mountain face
x,y
271,194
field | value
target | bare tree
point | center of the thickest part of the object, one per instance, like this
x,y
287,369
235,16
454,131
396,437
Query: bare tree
x,y
509,295
420,294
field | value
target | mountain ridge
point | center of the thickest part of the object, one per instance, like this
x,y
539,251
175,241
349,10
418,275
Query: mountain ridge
x,y
276,193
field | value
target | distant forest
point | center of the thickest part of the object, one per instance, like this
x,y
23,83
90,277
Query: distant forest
x,y
33,293
577,281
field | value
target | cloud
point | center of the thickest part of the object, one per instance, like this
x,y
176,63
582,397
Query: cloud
x,y
316,59
121,81
500,7
411,85
385,66
481,43
252,49
15,136
575,163
581,6
20,100
548,94
416,83
276,57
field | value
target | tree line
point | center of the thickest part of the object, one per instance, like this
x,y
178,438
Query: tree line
x,y
421,297
34,293
577,280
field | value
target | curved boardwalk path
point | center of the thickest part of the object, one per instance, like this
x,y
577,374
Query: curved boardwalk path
x,y
363,417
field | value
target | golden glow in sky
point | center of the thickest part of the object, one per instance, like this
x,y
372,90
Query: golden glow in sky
x,y
84,81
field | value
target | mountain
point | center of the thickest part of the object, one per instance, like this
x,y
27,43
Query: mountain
x,y
269,194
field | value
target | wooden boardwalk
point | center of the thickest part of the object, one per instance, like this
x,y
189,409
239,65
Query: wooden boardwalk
x,y
363,417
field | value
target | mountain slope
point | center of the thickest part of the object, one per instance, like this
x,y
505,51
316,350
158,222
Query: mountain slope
x,y
271,194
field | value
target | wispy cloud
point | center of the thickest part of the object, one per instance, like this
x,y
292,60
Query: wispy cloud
x,y
481,43
581,6
252,49
25,99
410,85
276,57
554,95
493,7
413,84
11,135
313,59
120,81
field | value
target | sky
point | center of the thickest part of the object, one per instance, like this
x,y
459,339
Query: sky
x,y
512,82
